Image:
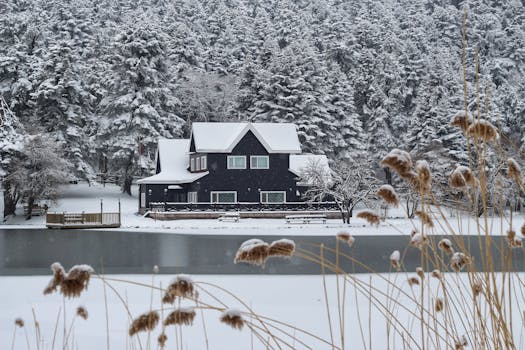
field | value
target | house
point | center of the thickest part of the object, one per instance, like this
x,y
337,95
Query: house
x,y
229,163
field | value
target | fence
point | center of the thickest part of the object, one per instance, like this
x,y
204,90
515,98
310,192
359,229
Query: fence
x,y
83,219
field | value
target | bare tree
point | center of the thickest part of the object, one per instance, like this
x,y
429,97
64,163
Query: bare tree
x,y
346,184
37,172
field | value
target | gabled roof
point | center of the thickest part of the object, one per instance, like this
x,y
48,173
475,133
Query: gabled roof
x,y
173,157
223,137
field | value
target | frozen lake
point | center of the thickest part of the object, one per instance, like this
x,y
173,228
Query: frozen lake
x,y
32,251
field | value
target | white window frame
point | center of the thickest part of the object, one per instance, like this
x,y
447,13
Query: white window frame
x,y
204,163
219,192
192,197
233,167
267,192
258,167
197,164
192,164
142,199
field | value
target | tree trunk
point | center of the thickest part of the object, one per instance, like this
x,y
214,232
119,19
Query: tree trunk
x,y
126,186
30,202
9,203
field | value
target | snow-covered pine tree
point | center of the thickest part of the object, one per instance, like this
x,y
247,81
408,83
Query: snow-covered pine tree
x,y
140,106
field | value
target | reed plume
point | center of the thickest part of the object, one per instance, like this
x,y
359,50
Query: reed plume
x,y
398,161
458,261
282,248
461,120
484,130
346,238
181,316
394,259
370,216
461,177
162,340
418,241
388,194
82,312
72,283
425,218
182,286
424,176
253,251
58,277
438,305
19,322
145,322
514,172
413,281
445,245
233,318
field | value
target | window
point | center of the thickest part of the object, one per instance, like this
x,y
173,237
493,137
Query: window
x,y
259,162
197,164
203,163
192,197
273,197
143,199
192,164
224,197
236,162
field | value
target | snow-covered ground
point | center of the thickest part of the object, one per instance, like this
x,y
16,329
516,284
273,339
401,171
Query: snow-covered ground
x,y
81,197
295,300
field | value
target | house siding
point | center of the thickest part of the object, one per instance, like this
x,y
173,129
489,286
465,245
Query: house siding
x,y
247,182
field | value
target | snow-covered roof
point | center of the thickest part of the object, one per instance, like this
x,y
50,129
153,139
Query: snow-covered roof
x,y
173,157
223,137
298,162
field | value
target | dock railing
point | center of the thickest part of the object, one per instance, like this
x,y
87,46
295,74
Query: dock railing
x,y
80,220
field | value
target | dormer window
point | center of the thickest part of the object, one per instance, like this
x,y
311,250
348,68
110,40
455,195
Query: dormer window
x,y
192,164
204,162
198,163
236,162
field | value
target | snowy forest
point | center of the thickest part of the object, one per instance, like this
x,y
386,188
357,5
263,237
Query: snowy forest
x,y
99,81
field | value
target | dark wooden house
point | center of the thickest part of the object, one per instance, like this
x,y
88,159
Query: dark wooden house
x,y
224,164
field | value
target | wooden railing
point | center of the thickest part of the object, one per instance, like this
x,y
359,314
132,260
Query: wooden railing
x,y
83,218
242,206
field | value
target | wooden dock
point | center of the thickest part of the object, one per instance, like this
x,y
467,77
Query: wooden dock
x,y
82,220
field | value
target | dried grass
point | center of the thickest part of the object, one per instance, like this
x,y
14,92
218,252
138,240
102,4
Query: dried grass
x,y
284,248
71,284
424,176
253,251
180,316
458,261
461,177
19,322
233,318
388,194
395,259
162,340
438,305
346,238
182,287
461,120
514,172
82,312
425,218
413,281
370,216
483,130
145,322
398,161
445,245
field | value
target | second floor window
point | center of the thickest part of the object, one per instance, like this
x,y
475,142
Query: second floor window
x,y
236,162
192,164
203,163
259,162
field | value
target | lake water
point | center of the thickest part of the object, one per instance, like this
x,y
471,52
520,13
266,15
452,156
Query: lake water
x,y
32,251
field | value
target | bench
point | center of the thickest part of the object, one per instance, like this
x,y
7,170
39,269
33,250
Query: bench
x,y
73,218
232,217
305,219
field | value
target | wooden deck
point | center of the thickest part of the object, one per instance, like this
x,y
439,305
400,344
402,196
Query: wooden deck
x,y
82,220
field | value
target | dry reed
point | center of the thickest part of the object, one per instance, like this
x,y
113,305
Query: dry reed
x,y
424,176
82,312
19,322
370,216
182,287
438,305
162,339
458,261
388,194
346,238
72,283
145,322
284,248
483,130
425,218
514,172
445,245
394,259
233,318
180,316
252,251
398,161
461,120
